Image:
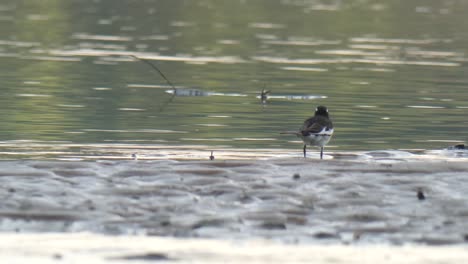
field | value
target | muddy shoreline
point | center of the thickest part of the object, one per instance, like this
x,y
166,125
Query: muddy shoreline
x,y
289,200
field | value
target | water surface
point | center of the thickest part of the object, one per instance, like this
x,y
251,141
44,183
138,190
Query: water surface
x,y
392,74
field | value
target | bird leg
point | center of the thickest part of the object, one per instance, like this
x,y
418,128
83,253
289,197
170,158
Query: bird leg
x,y
305,146
321,152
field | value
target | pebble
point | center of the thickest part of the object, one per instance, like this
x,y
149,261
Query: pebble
x,y
420,194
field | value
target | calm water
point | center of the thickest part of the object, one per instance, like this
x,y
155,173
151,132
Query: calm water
x,y
393,73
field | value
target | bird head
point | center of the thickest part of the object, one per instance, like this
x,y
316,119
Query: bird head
x,y
321,111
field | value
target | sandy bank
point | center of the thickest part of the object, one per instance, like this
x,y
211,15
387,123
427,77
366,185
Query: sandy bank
x,y
90,248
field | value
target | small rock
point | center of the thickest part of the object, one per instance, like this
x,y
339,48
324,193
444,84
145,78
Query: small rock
x,y
273,226
57,256
357,235
420,194
459,146
153,256
325,235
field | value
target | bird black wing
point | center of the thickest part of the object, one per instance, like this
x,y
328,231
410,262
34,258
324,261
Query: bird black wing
x,y
315,125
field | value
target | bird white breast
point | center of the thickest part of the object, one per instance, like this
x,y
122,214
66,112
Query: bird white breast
x,y
318,139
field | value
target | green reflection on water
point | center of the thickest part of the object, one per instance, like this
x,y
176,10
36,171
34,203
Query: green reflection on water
x,y
405,88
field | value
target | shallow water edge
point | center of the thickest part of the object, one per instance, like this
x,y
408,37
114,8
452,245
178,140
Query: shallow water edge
x,y
68,151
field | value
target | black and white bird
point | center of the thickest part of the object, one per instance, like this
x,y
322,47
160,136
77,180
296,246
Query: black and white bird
x,y
316,131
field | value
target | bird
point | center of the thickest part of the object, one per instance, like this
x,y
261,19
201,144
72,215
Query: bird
x,y
316,130
264,96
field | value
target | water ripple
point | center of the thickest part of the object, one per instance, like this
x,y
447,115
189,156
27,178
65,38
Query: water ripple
x,y
148,56
398,41
384,61
86,36
305,69
302,42
426,106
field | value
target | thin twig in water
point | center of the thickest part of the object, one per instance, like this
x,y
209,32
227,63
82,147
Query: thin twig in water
x,y
164,77
157,69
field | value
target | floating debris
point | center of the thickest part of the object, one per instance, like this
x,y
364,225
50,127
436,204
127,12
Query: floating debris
x,y
198,92
187,92
295,97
